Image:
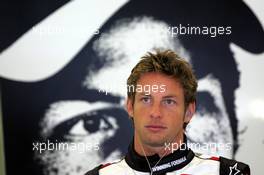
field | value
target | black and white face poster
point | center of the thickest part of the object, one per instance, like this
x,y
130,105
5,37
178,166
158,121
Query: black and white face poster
x,y
64,66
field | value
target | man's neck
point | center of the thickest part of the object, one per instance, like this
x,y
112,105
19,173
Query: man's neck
x,y
144,149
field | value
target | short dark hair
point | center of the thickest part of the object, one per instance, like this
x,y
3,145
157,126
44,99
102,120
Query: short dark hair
x,y
168,63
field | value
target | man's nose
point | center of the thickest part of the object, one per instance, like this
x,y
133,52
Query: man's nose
x,y
155,111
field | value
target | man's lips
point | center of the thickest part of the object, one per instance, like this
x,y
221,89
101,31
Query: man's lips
x,y
155,128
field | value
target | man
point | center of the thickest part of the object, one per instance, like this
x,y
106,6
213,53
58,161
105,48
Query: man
x,y
160,114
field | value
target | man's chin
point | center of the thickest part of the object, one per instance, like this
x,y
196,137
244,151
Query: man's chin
x,y
154,142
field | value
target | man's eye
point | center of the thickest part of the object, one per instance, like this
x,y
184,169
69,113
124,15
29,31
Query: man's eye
x,y
91,125
85,124
88,123
169,102
146,100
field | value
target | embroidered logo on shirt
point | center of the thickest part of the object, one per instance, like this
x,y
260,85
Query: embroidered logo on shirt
x,y
169,164
234,170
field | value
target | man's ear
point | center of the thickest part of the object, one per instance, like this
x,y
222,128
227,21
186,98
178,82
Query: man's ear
x,y
189,112
129,107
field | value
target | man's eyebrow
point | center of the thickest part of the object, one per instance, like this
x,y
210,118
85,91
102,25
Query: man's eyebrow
x,y
144,94
167,96
170,96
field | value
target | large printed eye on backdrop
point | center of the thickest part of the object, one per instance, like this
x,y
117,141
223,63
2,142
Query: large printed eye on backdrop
x,y
64,67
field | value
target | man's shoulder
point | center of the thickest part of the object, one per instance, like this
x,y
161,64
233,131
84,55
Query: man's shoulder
x,y
233,167
226,166
108,167
94,171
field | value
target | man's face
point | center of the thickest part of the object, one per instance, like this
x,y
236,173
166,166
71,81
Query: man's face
x,y
88,126
158,115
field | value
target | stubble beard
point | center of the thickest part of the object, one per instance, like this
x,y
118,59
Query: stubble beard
x,y
152,140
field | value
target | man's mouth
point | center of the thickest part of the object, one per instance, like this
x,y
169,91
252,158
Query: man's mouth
x,y
155,128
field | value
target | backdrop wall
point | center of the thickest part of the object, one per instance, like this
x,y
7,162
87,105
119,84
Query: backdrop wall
x,y
63,68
